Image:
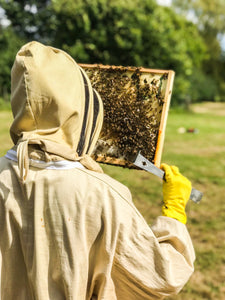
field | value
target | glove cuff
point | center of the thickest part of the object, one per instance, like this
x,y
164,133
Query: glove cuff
x,y
177,213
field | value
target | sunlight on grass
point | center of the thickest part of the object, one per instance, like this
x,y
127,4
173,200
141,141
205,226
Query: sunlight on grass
x,y
5,122
201,157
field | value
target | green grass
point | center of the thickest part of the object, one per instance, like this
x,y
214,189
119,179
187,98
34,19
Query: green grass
x,y
5,122
5,104
200,157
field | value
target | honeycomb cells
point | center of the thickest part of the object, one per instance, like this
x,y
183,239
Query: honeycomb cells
x,y
133,102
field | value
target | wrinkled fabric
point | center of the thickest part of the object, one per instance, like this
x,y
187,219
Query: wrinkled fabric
x,y
76,235
68,231
54,106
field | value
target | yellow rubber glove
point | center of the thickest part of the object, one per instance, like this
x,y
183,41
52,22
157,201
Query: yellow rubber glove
x,y
176,193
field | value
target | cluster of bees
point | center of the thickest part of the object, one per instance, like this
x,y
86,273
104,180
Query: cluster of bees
x,y
132,112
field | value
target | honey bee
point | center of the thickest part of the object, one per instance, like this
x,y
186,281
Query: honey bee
x,y
127,102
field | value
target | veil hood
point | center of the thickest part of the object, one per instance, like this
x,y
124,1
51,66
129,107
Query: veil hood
x,y
54,106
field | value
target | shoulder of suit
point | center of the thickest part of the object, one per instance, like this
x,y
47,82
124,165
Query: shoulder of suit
x,y
111,183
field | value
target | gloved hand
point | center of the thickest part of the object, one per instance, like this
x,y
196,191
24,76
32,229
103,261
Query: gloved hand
x,y
176,193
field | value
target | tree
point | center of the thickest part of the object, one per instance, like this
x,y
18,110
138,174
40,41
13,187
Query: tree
x,y
9,44
32,19
134,32
209,16
120,32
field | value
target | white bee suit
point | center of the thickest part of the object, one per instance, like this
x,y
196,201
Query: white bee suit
x,y
68,231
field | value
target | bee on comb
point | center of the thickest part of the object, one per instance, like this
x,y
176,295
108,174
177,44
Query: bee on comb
x,y
136,103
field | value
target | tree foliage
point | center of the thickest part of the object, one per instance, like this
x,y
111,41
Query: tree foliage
x,y
120,32
209,16
9,44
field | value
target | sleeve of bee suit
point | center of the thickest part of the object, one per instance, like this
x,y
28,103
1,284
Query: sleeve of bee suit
x,y
151,263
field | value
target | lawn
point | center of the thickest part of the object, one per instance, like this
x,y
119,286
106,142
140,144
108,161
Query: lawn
x,y
201,157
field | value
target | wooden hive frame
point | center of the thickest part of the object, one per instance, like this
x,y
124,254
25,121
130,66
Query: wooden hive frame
x,y
138,87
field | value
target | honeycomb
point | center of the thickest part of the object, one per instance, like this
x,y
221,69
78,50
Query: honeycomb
x,y
133,101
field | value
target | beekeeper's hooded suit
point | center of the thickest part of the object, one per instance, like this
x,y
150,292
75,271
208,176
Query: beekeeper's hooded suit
x,y
68,231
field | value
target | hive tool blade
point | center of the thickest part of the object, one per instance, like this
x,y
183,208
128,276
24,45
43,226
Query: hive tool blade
x,y
145,164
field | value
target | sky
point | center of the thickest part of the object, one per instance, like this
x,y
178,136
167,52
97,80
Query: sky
x,y
3,21
164,2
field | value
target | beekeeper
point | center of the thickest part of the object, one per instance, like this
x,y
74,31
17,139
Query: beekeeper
x,y
68,231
